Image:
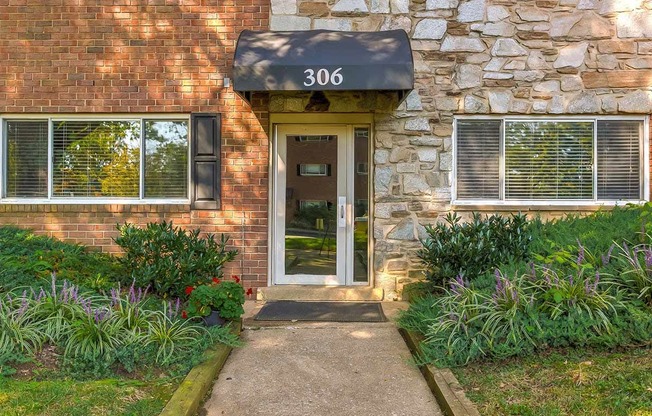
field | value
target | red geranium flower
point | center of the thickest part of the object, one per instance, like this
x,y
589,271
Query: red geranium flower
x,y
236,278
189,290
216,280
184,314
250,292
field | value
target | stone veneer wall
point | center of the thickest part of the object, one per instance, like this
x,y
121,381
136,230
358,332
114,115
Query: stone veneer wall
x,y
476,57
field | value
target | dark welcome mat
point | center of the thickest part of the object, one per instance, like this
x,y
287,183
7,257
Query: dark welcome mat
x,y
286,310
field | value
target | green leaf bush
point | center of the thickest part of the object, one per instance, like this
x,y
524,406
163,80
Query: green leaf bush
x,y
226,297
472,248
168,259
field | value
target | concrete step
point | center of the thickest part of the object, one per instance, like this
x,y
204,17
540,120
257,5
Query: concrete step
x,y
323,293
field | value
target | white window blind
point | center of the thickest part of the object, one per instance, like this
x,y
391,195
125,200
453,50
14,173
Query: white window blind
x,y
619,159
478,156
27,159
166,159
548,160
96,159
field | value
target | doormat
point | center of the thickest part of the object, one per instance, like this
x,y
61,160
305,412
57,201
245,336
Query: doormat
x,y
286,310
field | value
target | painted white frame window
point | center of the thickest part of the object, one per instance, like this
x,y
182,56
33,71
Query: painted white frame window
x,y
95,159
551,160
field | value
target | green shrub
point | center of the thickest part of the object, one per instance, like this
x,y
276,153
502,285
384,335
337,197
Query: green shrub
x,y
30,260
168,259
473,248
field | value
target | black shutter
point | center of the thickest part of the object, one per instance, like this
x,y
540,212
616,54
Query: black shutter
x,y
206,172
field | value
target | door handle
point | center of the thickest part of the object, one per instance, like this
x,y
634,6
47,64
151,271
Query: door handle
x,y
341,211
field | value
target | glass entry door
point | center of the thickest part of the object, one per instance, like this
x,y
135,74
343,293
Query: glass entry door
x,y
317,206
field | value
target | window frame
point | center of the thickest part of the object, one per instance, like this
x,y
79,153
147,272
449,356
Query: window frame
x,y
305,172
644,154
52,118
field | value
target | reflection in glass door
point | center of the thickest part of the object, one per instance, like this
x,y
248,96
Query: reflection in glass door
x,y
311,205
321,195
361,204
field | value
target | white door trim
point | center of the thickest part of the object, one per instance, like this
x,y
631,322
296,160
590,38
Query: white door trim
x,y
342,233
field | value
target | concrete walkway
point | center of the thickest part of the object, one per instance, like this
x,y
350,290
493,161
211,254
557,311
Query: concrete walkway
x,y
328,369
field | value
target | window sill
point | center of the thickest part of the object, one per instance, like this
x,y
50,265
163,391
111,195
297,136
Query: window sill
x,y
538,205
104,201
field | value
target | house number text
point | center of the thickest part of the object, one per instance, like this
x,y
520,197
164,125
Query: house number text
x,y
323,77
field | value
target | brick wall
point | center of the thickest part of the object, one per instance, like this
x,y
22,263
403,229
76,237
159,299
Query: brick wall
x,y
149,56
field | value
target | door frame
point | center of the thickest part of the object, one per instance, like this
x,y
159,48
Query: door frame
x,y
350,121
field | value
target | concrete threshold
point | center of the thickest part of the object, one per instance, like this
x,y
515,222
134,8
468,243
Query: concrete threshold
x,y
319,293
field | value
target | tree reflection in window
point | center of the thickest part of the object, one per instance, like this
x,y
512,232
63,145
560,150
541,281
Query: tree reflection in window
x,y
166,159
96,158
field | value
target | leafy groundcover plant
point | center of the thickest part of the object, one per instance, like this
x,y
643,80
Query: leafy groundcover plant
x,y
571,295
225,297
30,260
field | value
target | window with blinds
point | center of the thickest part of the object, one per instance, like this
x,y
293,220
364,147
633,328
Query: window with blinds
x,y
27,159
548,160
166,159
96,158
478,159
619,159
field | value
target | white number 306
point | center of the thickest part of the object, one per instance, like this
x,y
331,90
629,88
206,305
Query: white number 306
x,y
323,77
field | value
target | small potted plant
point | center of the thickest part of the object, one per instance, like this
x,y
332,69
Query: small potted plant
x,y
217,302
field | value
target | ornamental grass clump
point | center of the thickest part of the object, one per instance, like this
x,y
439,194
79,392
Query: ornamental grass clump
x,y
636,276
171,336
93,333
511,302
577,294
454,327
19,329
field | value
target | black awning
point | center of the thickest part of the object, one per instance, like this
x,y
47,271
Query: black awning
x,y
322,60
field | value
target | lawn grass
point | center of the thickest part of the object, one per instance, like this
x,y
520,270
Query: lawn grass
x,y
569,382
83,398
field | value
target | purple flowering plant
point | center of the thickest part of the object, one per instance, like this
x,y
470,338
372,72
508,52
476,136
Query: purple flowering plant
x,y
636,270
19,330
577,293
